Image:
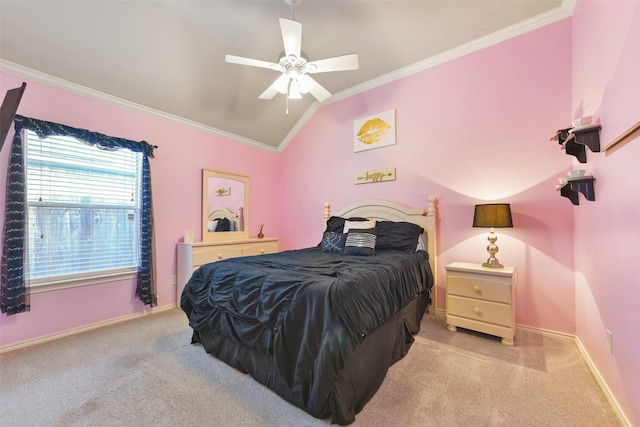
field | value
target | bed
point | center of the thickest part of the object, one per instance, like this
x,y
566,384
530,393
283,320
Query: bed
x,y
234,221
321,326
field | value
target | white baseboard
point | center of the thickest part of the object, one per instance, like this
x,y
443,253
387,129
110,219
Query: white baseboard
x,y
594,371
603,385
69,332
585,356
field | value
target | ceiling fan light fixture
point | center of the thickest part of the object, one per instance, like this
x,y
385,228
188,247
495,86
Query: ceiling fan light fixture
x,y
294,90
282,83
294,64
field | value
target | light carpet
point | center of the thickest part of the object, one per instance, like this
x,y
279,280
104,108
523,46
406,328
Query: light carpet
x,y
146,372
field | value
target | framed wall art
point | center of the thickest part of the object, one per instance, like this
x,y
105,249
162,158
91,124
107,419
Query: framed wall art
x,y
374,131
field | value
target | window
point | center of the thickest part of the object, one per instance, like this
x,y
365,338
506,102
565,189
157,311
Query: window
x,y
83,209
75,214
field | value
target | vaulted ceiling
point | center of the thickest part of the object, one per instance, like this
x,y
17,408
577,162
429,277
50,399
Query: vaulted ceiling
x,y
167,57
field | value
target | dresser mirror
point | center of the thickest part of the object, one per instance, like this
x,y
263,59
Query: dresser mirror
x,y
225,206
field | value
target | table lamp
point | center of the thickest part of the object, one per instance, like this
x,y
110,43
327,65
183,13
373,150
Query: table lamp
x,y
492,215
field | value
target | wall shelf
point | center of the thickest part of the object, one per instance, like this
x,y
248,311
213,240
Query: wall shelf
x,y
582,185
574,140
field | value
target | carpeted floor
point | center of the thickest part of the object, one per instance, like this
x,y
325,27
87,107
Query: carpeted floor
x,y
146,372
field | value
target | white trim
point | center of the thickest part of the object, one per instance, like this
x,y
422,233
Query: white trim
x,y
499,36
565,10
592,368
546,332
603,385
76,89
36,287
85,328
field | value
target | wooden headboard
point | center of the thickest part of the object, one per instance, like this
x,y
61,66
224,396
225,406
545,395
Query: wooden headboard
x,y
226,213
383,210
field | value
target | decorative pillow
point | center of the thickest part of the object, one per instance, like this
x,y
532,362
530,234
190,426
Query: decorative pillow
x,y
358,225
336,223
360,242
400,236
333,242
211,227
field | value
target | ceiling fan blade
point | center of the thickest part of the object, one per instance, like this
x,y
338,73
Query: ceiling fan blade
x,y
281,85
338,63
270,92
291,36
252,62
319,92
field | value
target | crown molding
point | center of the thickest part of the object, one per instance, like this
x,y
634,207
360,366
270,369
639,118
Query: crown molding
x,y
85,92
565,10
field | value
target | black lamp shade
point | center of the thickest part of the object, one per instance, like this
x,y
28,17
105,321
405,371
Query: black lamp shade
x,y
497,215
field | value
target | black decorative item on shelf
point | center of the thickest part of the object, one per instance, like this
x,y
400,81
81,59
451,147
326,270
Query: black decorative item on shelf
x,y
582,185
575,139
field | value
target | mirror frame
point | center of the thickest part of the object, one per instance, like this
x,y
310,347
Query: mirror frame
x,y
210,236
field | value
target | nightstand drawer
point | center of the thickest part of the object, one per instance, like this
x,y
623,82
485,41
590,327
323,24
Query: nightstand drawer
x,y
485,311
473,286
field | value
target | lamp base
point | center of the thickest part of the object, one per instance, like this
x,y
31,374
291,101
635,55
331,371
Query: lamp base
x,y
495,264
492,262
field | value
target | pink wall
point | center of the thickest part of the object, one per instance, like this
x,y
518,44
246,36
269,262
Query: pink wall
x,y
606,85
471,130
177,192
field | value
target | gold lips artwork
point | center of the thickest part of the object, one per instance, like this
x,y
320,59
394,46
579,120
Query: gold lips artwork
x,y
373,131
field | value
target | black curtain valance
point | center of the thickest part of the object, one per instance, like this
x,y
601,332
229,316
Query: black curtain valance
x,y
105,142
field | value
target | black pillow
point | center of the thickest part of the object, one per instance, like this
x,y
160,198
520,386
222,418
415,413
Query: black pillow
x,y
223,224
400,236
360,242
333,242
336,223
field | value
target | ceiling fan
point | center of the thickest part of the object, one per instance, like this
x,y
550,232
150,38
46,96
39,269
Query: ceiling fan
x,y
295,80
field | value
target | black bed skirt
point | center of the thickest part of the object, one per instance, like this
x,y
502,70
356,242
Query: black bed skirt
x,y
358,381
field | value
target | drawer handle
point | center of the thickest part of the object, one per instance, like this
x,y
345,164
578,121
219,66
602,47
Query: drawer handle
x,y
476,288
219,256
261,251
476,310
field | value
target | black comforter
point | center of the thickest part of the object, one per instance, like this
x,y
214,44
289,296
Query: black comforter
x,y
299,315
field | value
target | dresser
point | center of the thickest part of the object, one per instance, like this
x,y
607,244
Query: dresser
x,y
481,299
193,255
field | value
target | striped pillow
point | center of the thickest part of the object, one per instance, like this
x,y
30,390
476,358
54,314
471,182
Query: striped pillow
x,y
360,242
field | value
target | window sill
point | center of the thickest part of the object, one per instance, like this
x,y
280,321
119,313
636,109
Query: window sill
x,y
65,283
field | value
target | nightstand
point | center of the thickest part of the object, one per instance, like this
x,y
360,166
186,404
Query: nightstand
x,y
481,299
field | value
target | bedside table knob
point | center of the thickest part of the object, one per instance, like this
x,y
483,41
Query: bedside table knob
x,y
476,310
476,288
219,256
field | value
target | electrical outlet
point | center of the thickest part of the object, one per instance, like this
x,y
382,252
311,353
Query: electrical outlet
x,y
174,279
610,341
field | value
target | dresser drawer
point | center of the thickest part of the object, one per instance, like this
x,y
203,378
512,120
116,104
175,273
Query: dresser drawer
x,y
260,248
475,286
215,253
485,311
